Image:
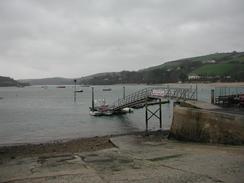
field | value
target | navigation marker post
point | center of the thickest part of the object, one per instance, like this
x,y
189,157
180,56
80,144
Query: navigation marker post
x,y
75,90
123,92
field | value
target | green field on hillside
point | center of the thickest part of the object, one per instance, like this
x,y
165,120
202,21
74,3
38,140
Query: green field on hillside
x,y
215,69
236,60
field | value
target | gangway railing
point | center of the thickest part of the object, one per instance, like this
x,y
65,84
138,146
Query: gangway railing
x,y
153,93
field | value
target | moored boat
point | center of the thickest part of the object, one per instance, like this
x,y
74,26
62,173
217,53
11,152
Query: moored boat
x,y
107,89
108,113
128,110
101,109
44,87
95,113
61,87
79,91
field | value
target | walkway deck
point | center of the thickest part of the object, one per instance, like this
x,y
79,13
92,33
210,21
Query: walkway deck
x,y
154,93
203,105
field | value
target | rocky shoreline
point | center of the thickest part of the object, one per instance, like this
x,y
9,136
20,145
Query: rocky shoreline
x,y
57,147
132,158
76,145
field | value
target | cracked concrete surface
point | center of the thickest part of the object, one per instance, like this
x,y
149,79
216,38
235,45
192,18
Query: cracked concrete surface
x,y
134,159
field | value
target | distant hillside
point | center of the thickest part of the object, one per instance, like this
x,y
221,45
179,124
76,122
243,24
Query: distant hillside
x,y
213,67
49,81
96,75
7,81
60,80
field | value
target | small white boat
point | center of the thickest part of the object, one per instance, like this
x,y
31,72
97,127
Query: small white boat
x,y
127,110
44,87
95,113
107,113
101,109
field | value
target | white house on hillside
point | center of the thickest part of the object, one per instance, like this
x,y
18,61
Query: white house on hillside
x,y
193,76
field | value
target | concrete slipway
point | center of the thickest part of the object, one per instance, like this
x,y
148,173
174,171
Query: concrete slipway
x,y
135,158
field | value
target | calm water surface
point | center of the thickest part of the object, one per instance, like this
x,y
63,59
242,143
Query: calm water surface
x,y
34,114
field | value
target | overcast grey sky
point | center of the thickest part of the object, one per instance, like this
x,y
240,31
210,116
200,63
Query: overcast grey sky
x,y
73,38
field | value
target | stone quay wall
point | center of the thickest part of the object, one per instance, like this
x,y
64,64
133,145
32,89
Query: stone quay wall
x,y
198,125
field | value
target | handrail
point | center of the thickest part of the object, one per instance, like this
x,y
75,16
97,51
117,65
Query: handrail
x,y
142,95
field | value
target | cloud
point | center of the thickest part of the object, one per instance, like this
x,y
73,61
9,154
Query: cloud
x,y
81,37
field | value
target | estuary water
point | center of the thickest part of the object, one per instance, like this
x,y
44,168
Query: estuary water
x,y
39,114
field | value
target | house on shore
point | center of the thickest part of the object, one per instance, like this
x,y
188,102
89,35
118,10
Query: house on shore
x,y
193,76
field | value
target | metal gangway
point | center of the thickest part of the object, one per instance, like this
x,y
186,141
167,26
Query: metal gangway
x,y
153,93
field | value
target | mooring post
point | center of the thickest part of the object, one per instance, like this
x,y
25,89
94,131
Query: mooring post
x,y
160,114
146,116
75,91
212,96
123,92
168,90
92,99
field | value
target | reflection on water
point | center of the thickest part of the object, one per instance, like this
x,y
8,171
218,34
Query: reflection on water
x,y
36,114
125,123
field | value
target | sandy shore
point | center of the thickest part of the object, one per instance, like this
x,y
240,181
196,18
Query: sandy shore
x,y
237,84
216,84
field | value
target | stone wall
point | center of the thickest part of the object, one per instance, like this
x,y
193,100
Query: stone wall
x,y
207,126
